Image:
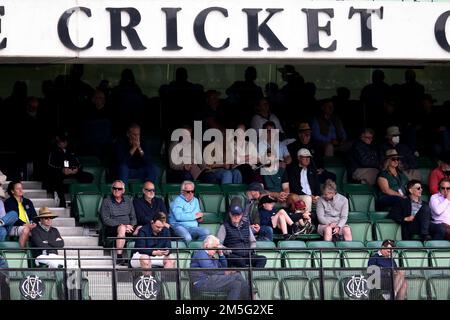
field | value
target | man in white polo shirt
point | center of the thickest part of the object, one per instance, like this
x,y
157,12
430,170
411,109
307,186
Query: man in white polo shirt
x,y
440,211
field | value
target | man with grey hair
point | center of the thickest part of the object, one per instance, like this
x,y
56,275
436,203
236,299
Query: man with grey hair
x,y
185,214
229,282
332,213
363,158
118,217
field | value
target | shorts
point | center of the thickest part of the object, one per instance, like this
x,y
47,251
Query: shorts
x,y
157,261
16,231
321,228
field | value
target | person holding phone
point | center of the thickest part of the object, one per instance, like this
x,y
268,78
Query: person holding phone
x,y
152,247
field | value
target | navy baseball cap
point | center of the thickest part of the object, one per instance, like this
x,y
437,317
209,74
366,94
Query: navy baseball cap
x,y
255,186
236,210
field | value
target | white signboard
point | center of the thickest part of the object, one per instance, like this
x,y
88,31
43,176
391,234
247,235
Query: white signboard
x,y
229,30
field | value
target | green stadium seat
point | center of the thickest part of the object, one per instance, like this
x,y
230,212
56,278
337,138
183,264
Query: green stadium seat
x,y
388,229
331,285
136,187
408,244
291,244
349,244
265,245
171,188
178,244
198,244
15,258
212,227
296,288
425,162
374,244
417,287
355,258
440,257
96,171
89,161
357,188
320,244
87,207
207,188
75,188
267,287
357,216
361,202
378,215
333,161
440,287
213,204
330,259
425,173
410,258
437,244
361,231
105,188
234,188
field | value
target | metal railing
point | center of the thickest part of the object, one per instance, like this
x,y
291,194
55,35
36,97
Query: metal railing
x,y
290,274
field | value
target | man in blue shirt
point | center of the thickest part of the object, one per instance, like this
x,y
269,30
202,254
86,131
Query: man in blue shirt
x,y
228,282
383,259
152,247
185,213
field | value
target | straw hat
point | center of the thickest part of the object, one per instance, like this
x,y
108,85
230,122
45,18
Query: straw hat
x,y
45,212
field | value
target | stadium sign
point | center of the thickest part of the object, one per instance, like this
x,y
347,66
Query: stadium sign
x,y
146,287
32,287
193,30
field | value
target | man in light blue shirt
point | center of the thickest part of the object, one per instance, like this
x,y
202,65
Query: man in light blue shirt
x,y
185,213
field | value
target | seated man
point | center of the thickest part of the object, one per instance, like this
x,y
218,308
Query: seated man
x,y
237,235
413,214
147,206
155,251
184,213
231,283
47,237
117,214
63,163
440,211
383,259
134,158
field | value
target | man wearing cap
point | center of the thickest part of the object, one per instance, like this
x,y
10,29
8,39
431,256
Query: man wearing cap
x,y
304,141
237,235
409,162
440,172
48,240
63,163
301,178
363,159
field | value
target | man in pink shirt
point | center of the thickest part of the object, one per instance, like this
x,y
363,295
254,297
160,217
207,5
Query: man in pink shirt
x,y
440,210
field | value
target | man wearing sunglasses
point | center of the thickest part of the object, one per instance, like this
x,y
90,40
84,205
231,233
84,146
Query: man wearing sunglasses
x,y
413,214
440,210
185,213
147,206
118,217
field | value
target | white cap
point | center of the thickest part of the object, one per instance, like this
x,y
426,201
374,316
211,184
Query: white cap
x,y
303,152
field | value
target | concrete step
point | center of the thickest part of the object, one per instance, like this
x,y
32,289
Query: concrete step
x,y
64,222
26,184
70,231
98,261
77,241
61,212
44,202
92,251
35,194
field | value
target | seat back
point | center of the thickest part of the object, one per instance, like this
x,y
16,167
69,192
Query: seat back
x,y
440,287
361,202
388,229
361,231
296,288
213,207
355,259
88,206
417,287
331,287
267,287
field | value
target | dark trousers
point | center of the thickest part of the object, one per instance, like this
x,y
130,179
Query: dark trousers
x,y
239,261
420,224
440,231
384,202
232,284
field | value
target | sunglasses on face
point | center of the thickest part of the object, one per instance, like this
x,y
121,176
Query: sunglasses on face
x,y
445,188
149,190
117,189
418,188
47,218
188,191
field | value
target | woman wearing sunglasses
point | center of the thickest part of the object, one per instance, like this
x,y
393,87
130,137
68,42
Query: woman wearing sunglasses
x,y
413,214
391,181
